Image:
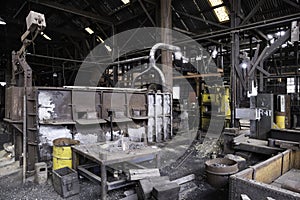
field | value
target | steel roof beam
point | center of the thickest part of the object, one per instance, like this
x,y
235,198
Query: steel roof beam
x,y
147,13
292,3
202,20
61,7
253,12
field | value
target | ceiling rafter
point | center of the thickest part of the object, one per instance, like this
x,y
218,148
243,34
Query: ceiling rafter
x,y
202,20
292,3
253,12
61,7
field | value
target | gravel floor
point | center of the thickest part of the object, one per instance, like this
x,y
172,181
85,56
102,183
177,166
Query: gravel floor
x,y
12,188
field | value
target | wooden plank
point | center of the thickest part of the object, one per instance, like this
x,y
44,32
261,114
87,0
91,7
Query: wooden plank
x,y
89,175
138,174
184,179
269,170
257,146
286,162
247,173
296,159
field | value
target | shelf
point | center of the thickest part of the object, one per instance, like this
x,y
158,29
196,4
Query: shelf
x,y
55,123
140,118
90,121
12,121
119,120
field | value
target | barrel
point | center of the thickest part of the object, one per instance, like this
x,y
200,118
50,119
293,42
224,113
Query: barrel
x,y
62,152
280,119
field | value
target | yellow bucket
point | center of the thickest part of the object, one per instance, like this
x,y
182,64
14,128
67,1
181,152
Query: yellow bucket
x,y
280,121
62,152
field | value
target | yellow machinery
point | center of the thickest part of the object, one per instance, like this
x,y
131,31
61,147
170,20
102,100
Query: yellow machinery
x,y
215,96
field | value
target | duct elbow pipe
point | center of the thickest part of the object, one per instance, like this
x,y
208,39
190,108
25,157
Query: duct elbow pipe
x,y
152,61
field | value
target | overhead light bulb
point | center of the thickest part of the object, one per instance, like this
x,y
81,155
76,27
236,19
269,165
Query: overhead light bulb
x,y
3,84
108,48
270,36
214,53
45,36
89,30
244,65
99,39
125,1
2,22
178,55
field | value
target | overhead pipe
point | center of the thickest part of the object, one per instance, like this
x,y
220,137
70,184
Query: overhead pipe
x,y
152,60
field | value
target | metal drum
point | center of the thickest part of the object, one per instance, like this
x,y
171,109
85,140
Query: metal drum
x,y
62,152
218,171
280,120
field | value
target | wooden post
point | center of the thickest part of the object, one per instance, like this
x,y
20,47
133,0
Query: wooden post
x,y
166,37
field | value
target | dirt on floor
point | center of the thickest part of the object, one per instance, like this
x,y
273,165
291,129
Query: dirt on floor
x,y
190,162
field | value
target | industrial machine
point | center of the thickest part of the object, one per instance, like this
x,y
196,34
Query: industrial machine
x,y
215,96
271,105
38,115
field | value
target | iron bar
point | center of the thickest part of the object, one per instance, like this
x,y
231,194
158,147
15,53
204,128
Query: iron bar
x,y
80,61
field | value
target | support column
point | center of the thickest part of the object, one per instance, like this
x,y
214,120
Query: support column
x,y
235,48
166,37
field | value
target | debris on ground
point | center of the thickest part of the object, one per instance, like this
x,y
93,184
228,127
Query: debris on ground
x,y
208,148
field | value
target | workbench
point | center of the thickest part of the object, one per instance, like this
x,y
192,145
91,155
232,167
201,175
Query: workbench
x,y
97,154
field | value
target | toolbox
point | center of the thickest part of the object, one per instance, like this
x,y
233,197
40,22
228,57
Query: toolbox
x,y
65,182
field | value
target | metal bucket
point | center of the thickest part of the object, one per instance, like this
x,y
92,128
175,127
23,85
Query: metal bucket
x,y
62,152
218,171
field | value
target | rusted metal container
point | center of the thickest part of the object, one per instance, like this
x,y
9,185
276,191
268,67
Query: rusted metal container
x,y
218,171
